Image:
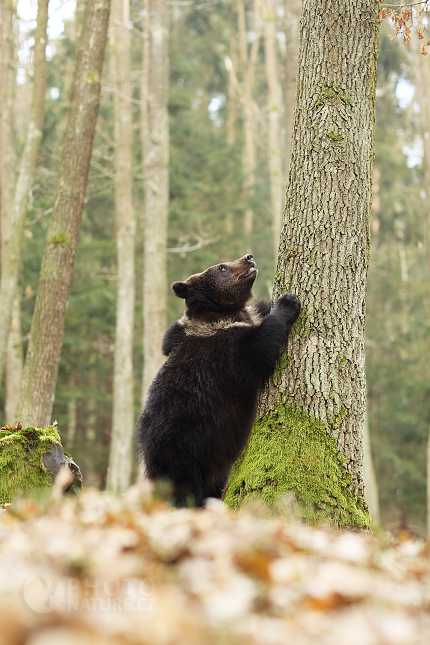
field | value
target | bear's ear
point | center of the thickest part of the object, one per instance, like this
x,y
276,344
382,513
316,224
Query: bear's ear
x,y
180,289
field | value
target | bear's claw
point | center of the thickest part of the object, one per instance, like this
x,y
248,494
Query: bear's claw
x,y
291,302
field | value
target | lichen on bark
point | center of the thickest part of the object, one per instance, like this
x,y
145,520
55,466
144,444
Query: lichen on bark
x,y
291,451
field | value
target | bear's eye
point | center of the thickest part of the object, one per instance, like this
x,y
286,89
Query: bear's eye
x,y
223,268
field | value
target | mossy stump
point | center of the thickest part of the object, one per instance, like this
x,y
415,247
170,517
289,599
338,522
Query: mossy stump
x,y
30,459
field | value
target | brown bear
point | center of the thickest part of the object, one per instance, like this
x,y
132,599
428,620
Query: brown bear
x,y
202,402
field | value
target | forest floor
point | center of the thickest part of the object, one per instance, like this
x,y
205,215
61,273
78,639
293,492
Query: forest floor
x,y
100,569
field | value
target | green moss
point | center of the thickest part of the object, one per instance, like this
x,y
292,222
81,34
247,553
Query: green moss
x,y
302,325
91,78
281,366
291,451
21,466
60,238
333,136
291,253
331,91
336,419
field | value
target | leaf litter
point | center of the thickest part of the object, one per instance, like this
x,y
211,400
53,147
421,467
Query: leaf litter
x,y
105,569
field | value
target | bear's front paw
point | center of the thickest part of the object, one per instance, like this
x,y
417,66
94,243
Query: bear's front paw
x,y
289,301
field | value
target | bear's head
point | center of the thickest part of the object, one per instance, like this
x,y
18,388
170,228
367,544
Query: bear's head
x,y
224,288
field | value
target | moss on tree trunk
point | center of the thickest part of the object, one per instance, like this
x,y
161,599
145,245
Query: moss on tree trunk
x,y
291,451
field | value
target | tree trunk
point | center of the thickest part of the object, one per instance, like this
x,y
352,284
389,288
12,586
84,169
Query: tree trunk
x,y
72,414
293,10
232,95
7,181
156,192
18,210
422,84
274,100
308,436
47,329
370,483
7,82
120,457
248,63
14,363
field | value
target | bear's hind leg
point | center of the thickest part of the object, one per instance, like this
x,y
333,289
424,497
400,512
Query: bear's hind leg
x,y
188,491
216,488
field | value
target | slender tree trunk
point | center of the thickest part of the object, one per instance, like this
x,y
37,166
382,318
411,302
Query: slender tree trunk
x,y
144,89
293,10
7,82
7,181
14,363
428,487
157,192
120,458
91,421
18,210
422,83
47,329
72,414
370,483
308,436
248,63
232,95
274,102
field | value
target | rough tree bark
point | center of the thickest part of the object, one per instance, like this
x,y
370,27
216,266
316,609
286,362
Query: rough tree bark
x,y
11,256
274,101
308,436
120,457
156,191
47,329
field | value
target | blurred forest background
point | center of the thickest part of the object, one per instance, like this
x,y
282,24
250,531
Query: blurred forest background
x,y
220,87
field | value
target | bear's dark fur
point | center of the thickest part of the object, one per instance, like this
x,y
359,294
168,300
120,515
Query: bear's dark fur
x,y
202,402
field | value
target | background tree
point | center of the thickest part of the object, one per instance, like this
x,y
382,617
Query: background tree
x,y
120,459
293,11
14,356
248,57
11,249
156,168
274,106
43,356
308,436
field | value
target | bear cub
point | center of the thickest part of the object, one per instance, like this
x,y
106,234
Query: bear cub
x,y
202,402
